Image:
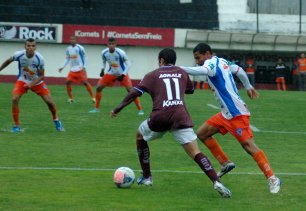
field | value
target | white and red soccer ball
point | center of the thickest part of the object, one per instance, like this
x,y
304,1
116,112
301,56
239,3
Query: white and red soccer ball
x,y
124,177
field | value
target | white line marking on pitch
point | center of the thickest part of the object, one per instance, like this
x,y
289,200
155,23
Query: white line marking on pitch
x,y
213,106
255,129
160,171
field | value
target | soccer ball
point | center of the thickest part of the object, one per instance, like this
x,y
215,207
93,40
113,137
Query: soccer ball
x,y
124,177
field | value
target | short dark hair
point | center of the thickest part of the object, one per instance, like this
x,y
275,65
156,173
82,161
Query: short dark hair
x,y
30,40
111,39
168,55
202,48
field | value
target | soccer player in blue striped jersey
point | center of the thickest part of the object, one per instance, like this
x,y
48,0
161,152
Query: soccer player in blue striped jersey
x,y
234,115
118,68
31,75
76,56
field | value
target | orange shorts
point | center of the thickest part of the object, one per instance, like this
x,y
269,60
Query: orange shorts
x,y
238,126
280,80
109,80
40,89
79,76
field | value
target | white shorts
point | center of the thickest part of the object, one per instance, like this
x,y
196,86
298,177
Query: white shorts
x,y
182,136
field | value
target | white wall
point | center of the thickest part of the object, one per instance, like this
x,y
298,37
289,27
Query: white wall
x,y
234,16
144,59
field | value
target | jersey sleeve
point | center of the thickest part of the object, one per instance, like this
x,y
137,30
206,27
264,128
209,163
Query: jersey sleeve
x,y
189,86
145,84
241,74
127,62
207,69
83,54
103,60
42,64
67,58
16,55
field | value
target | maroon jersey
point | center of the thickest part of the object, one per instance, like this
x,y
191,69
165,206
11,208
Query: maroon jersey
x,y
167,86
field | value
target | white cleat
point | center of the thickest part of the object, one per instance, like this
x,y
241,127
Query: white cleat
x,y
223,191
94,111
274,184
70,101
145,181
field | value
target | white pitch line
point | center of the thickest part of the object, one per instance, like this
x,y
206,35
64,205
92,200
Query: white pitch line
x,y
160,171
255,129
288,132
213,106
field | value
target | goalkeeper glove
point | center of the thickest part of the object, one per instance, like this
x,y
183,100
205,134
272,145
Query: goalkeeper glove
x,y
102,73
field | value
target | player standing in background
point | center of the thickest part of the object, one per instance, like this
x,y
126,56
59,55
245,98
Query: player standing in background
x,y
167,86
250,69
31,76
75,54
280,69
119,65
302,72
234,115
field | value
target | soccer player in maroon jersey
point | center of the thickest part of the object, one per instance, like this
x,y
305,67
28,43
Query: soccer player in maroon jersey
x,y
167,86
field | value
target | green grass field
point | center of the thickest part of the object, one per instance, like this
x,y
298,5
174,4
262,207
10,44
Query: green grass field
x,y
42,169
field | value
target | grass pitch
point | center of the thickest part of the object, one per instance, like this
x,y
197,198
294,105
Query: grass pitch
x,y
42,169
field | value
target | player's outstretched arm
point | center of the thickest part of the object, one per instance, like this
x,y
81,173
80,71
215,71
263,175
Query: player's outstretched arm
x,y
6,63
241,74
130,97
198,70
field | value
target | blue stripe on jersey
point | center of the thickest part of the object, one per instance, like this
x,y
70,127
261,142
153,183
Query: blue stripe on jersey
x,y
121,62
219,82
233,84
103,55
81,55
38,73
37,60
104,58
19,66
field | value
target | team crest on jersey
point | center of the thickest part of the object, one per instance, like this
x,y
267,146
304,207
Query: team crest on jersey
x,y
225,66
239,131
74,56
211,65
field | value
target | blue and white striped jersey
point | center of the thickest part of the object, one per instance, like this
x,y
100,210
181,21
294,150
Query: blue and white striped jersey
x,y
77,57
118,62
29,67
220,78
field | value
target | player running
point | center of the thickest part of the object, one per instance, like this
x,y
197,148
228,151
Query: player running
x,y
76,56
31,76
119,66
234,115
167,86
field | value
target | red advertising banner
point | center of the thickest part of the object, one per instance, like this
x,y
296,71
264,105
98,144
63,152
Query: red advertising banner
x,y
138,36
